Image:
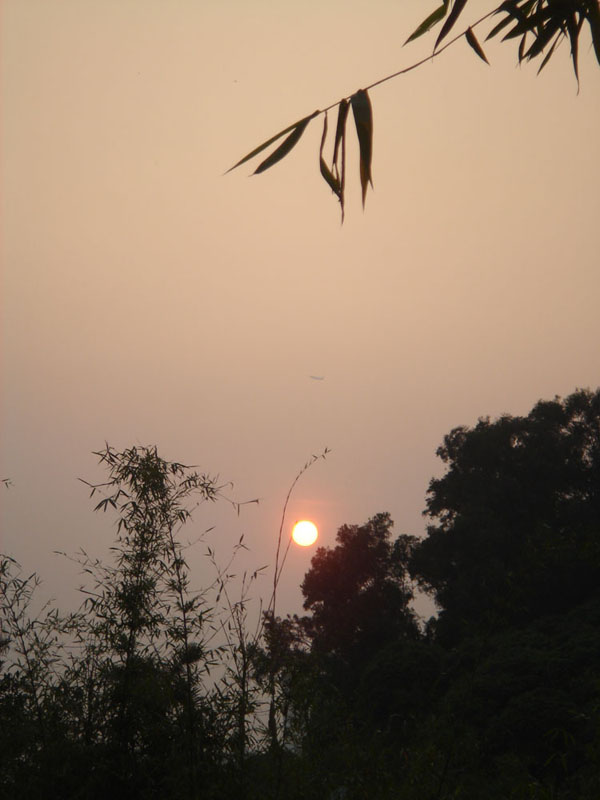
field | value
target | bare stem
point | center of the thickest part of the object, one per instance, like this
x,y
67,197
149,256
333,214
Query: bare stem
x,y
278,568
418,63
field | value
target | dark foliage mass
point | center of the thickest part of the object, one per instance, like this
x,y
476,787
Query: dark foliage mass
x,y
359,592
496,697
517,517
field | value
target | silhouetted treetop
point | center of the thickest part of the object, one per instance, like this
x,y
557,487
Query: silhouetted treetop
x,y
359,591
517,515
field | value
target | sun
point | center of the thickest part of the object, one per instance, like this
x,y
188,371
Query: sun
x,y
305,533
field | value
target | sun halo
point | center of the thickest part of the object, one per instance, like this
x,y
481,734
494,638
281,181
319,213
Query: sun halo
x,y
305,533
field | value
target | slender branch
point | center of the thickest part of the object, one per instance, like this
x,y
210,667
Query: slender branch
x,y
433,55
278,568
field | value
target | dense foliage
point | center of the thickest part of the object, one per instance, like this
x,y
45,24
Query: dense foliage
x,y
498,696
517,517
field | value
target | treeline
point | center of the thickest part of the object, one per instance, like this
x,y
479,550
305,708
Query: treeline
x,y
146,691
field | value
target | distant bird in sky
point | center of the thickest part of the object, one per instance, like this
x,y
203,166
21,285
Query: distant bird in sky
x,y
317,377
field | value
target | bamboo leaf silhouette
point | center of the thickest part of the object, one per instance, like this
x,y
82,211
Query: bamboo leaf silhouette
x,y
546,22
452,17
300,124
593,18
525,15
428,23
548,55
340,130
509,10
285,147
519,29
332,181
573,28
363,118
339,156
542,40
472,40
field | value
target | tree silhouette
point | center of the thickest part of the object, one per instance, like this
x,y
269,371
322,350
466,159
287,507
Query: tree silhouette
x,y
517,514
499,697
359,592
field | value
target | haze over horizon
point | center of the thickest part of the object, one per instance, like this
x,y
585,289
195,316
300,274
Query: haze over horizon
x,y
149,299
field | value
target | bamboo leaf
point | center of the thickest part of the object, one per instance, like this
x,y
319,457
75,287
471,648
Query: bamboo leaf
x,y
472,40
333,182
573,27
363,118
527,22
512,11
521,50
343,175
593,18
340,139
270,141
508,5
452,17
500,26
548,55
428,23
340,128
285,147
518,30
542,40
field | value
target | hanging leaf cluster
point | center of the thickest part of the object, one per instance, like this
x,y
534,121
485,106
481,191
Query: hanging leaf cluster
x,y
334,175
540,25
450,13
297,129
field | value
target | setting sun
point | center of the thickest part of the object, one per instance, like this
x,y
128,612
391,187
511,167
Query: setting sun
x,y
305,533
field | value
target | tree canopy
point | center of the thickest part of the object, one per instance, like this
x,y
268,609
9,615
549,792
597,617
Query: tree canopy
x,y
150,690
516,515
493,697
359,592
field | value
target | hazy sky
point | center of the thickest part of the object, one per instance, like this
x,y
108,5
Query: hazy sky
x,y
149,299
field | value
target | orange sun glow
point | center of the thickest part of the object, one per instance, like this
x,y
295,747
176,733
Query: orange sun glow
x,y
305,533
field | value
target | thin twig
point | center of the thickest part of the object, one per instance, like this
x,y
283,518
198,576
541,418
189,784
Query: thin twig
x,y
433,55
